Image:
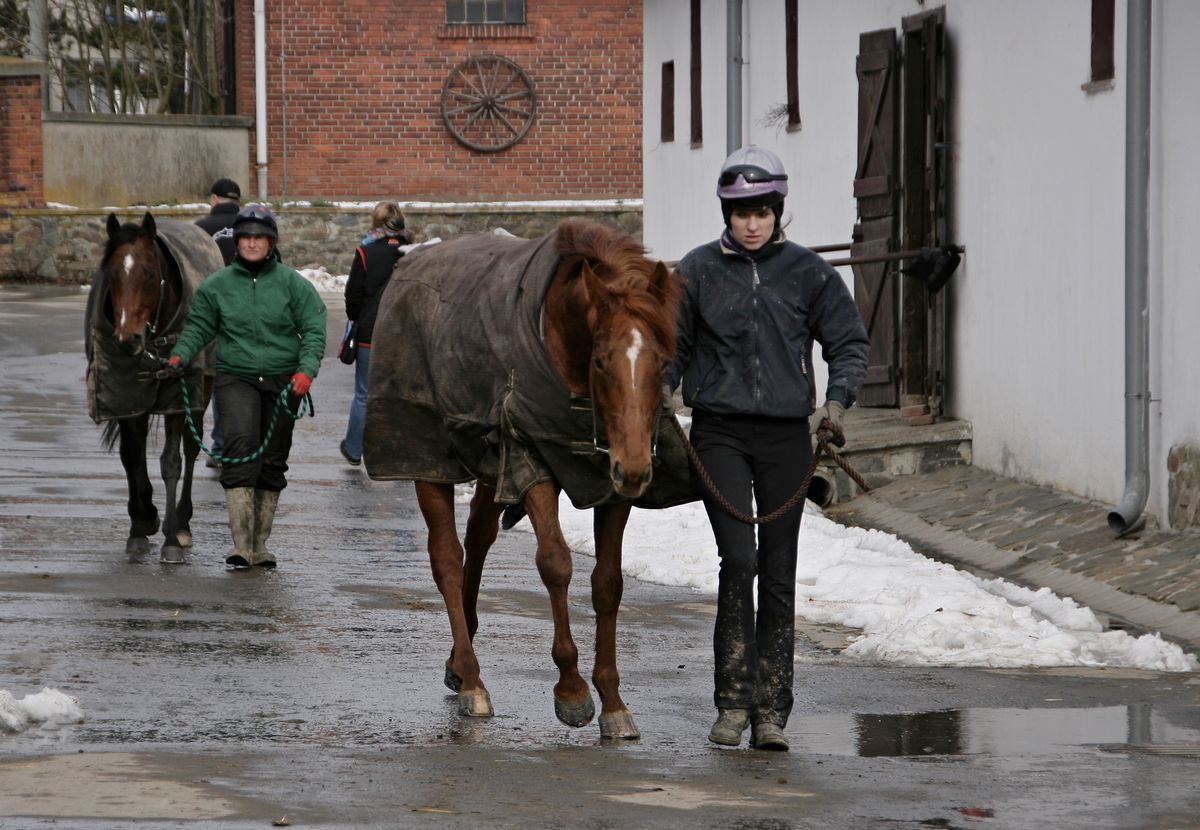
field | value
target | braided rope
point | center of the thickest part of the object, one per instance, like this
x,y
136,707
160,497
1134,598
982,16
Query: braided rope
x,y
827,434
280,404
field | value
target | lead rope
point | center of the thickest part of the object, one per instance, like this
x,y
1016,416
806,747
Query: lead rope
x,y
306,403
827,433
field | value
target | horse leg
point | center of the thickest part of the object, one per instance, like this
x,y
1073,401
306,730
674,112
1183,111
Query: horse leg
x,y
184,508
171,467
446,559
607,586
143,517
572,699
483,522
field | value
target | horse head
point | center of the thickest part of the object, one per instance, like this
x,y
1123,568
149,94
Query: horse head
x,y
134,272
621,337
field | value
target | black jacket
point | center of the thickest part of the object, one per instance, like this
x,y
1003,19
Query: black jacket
x,y
369,274
219,223
747,325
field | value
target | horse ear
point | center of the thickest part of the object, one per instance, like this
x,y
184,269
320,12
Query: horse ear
x,y
113,226
148,226
594,290
661,281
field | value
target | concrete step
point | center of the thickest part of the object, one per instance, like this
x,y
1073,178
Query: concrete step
x,y
882,446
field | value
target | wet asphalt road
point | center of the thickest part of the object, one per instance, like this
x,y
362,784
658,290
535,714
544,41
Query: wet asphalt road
x,y
232,700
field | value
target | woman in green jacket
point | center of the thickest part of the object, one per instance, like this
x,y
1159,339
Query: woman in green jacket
x,y
269,324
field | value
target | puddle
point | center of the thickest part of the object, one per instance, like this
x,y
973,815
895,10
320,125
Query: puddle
x,y
1024,732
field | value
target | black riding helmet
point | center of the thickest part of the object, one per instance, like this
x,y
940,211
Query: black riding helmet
x,y
255,220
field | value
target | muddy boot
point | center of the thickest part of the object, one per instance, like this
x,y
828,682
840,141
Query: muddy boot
x,y
730,725
767,735
265,502
240,502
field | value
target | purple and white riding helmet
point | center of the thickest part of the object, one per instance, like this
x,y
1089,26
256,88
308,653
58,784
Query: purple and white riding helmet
x,y
752,174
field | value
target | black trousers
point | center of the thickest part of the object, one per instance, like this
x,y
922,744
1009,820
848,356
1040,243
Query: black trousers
x,y
753,652
247,405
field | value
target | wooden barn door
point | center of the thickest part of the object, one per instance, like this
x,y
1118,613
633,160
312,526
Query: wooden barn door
x,y
925,169
875,189
900,185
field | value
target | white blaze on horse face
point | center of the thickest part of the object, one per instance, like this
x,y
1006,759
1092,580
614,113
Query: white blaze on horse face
x,y
128,263
635,348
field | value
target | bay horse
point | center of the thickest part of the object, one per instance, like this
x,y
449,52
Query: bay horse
x,y
528,366
137,306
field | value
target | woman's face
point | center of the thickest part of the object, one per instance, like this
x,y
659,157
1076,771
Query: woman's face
x,y
752,227
253,248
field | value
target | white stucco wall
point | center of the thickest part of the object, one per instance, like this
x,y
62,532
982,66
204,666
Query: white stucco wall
x,y
1037,308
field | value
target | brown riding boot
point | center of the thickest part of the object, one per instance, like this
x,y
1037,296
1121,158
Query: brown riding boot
x,y
240,503
265,503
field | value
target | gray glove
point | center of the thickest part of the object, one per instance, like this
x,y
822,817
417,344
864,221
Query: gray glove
x,y
833,412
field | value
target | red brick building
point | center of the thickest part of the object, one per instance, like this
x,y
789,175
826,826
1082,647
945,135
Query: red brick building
x,y
355,99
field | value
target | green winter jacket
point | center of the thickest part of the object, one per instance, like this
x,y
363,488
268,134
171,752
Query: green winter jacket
x,y
269,325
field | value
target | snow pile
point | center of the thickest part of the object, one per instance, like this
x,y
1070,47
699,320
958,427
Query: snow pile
x,y
48,706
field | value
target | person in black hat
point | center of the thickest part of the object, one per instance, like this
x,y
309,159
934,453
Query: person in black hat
x,y
224,197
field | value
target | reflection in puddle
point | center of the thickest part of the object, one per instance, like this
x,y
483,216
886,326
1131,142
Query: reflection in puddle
x,y
998,731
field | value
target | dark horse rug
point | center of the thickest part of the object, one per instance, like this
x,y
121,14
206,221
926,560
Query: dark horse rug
x,y
461,386
121,384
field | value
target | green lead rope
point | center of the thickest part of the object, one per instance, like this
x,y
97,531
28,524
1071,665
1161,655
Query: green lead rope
x,y
306,406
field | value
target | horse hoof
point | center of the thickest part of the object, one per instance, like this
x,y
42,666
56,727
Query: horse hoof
x,y
137,546
475,704
453,681
171,555
618,725
575,714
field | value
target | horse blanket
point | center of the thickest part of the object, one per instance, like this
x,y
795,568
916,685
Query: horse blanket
x,y
461,386
124,385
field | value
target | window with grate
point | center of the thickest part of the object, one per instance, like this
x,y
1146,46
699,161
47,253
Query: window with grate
x,y
667,132
1103,63
485,11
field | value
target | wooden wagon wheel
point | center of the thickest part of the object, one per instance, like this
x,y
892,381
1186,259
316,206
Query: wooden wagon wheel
x,y
488,103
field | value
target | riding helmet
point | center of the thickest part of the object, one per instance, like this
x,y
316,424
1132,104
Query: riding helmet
x,y
255,220
752,177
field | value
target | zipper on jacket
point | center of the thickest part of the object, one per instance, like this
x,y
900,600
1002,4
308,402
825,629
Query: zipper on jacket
x,y
754,328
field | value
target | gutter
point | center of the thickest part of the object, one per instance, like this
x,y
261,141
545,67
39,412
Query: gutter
x,y
733,75
1127,516
260,96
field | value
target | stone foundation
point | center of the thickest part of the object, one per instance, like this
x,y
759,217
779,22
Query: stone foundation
x,y
64,245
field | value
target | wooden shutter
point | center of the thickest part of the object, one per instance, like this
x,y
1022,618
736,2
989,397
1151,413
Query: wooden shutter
x,y
875,185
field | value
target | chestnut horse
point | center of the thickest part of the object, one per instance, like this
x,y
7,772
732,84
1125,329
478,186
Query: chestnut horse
x,y
138,302
529,366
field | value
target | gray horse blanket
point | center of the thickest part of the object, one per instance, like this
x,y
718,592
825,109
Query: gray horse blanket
x,y
461,386
121,384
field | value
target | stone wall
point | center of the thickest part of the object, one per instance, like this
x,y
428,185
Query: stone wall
x,y
65,245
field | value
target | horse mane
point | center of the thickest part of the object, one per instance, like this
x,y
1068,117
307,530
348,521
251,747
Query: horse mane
x,y
621,263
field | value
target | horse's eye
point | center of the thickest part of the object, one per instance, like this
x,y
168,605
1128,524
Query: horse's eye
x,y
599,363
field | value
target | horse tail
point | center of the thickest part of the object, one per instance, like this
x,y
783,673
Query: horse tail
x,y
112,431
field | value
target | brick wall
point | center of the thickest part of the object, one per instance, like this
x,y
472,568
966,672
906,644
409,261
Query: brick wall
x,y
360,85
20,134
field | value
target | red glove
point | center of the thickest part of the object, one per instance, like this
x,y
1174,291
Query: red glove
x,y
301,383
175,362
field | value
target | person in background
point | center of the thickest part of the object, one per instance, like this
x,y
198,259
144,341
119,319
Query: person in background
x,y
753,305
269,324
224,198
369,274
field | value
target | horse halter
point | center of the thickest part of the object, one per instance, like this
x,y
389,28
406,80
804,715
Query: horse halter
x,y
580,403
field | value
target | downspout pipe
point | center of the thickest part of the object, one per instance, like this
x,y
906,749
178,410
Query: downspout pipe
x,y
260,95
1127,516
733,75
